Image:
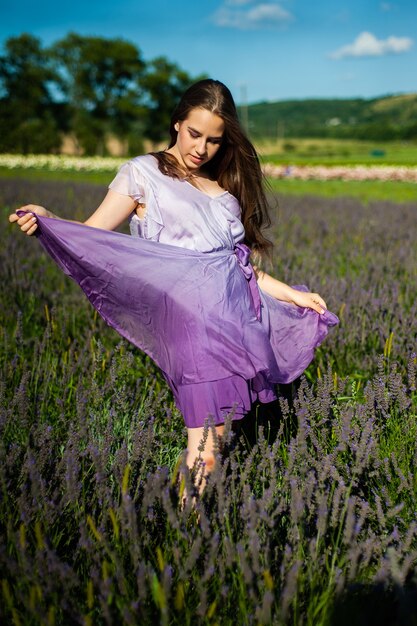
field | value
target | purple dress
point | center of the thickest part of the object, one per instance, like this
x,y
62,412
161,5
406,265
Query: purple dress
x,y
183,291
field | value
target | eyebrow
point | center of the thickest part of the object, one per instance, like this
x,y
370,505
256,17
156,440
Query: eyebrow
x,y
198,133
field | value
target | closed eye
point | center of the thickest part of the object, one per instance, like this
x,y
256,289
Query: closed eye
x,y
214,140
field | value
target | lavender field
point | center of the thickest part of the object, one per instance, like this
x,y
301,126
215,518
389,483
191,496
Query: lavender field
x,y
308,519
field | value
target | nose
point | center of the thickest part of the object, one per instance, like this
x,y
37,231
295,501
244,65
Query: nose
x,y
201,146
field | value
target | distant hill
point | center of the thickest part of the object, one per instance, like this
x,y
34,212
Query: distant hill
x,y
386,118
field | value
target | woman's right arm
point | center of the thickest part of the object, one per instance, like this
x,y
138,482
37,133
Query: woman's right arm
x,y
114,209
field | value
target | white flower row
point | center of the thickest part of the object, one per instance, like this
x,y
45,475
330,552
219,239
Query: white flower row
x,y
342,172
54,162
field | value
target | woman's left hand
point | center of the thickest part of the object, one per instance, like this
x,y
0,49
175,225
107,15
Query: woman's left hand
x,y
281,291
309,300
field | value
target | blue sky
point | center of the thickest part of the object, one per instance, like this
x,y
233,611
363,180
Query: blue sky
x,y
266,49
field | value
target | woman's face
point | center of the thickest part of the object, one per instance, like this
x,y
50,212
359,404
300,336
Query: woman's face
x,y
199,138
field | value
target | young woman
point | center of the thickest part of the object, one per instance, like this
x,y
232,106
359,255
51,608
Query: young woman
x,y
183,290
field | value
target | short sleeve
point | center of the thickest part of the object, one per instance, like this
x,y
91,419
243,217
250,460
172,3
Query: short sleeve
x,y
129,181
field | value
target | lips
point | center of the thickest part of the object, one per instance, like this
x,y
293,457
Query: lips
x,y
196,160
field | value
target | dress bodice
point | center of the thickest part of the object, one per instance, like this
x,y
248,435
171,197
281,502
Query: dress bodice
x,y
178,213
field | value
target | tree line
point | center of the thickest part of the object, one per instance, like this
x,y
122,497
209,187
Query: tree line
x,y
90,88
85,87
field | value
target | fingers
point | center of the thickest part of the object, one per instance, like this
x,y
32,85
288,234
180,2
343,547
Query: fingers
x,y
317,303
28,208
31,227
311,301
34,208
28,222
316,307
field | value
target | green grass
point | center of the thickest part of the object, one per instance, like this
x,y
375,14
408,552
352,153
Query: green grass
x,y
337,152
363,190
33,174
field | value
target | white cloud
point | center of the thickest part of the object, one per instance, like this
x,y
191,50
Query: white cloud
x,y
367,45
386,6
259,15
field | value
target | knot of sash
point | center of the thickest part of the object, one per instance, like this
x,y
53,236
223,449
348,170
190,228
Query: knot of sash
x,y
242,253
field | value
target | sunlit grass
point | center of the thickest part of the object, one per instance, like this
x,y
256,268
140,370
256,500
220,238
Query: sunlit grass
x,y
365,191
337,152
34,174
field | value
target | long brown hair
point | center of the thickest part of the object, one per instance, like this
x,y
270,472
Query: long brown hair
x,y
235,166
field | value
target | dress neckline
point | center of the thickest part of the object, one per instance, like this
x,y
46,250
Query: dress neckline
x,y
203,192
220,195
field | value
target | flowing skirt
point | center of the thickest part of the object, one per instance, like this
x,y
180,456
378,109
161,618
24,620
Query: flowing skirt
x,y
195,314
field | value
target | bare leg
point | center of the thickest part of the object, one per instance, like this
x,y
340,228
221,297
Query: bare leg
x,y
206,458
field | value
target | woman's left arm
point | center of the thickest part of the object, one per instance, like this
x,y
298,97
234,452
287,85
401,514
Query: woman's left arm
x,y
284,292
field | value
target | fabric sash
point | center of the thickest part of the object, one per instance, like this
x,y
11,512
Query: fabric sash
x,y
243,254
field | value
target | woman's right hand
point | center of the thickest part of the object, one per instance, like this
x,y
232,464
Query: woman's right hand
x,y
28,223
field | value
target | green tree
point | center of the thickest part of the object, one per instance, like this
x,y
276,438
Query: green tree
x,y
27,109
100,79
376,131
164,83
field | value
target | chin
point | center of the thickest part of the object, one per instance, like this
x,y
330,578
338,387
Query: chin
x,y
194,166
